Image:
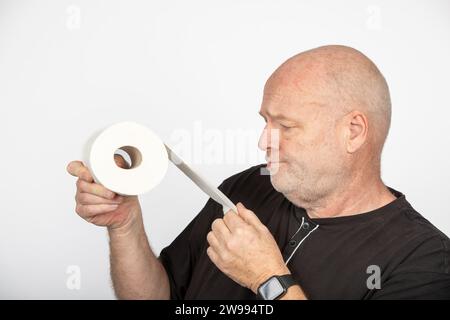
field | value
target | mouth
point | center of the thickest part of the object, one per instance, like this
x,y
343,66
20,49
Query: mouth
x,y
272,163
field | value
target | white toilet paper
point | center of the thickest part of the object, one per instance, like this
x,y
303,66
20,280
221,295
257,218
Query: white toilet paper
x,y
147,152
149,158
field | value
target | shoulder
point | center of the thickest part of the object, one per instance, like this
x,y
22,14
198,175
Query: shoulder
x,y
417,223
420,268
426,247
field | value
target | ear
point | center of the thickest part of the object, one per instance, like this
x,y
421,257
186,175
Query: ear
x,y
357,128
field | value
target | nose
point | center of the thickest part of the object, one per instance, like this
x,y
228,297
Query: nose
x,y
269,139
262,143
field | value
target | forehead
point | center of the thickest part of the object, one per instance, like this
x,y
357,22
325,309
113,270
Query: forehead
x,y
288,101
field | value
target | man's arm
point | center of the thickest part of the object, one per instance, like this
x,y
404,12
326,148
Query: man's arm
x,y
135,270
245,250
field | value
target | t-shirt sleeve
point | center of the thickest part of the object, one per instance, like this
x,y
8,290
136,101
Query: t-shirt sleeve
x,y
425,274
180,257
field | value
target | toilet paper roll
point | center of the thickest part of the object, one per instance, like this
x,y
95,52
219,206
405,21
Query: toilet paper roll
x,y
147,152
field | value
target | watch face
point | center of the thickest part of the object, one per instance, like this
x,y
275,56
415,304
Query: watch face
x,y
271,289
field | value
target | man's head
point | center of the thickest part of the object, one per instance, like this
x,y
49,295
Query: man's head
x,y
330,109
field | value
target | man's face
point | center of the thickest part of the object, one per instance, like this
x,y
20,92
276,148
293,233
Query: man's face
x,y
302,141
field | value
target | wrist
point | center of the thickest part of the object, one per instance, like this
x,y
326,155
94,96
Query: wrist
x,y
279,271
280,287
134,226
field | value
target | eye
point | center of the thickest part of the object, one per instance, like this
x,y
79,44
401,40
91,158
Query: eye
x,y
285,126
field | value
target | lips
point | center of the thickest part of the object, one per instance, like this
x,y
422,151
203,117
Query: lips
x,y
271,163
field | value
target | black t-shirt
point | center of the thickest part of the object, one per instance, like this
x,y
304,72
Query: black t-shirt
x,y
331,258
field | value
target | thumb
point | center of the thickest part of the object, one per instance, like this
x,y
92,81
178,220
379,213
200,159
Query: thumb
x,y
248,215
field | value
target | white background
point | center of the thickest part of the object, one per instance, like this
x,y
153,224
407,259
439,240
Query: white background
x,y
69,68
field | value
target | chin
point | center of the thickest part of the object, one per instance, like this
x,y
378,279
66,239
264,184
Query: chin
x,y
279,182
284,181
274,167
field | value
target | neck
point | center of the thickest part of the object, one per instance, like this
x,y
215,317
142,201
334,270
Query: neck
x,y
361,194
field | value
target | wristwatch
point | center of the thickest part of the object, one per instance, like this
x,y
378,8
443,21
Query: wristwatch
x,y
275,287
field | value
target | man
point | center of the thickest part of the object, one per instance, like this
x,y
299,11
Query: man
x,y
322,225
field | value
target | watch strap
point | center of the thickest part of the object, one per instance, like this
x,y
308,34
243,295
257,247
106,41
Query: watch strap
x,y
287,281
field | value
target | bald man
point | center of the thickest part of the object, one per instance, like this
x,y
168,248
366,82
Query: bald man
x,y
315,222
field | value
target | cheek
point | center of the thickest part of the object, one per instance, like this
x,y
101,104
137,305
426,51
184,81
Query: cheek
x,y
290,149
296,154
330,155
311,151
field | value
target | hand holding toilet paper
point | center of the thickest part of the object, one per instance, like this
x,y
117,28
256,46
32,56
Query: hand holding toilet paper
x,y
149,162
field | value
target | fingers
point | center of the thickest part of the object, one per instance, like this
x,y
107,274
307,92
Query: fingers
x,y
245,217
77,169
88,211
88,198
220,230
213,241
92,199
248,215
95,189
212,254
233,221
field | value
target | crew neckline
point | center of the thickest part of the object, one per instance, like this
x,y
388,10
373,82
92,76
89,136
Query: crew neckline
x,y
393,206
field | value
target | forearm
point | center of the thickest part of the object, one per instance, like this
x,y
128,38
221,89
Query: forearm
x,y
135,270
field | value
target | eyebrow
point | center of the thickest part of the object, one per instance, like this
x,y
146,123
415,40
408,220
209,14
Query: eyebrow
x,y
276,116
